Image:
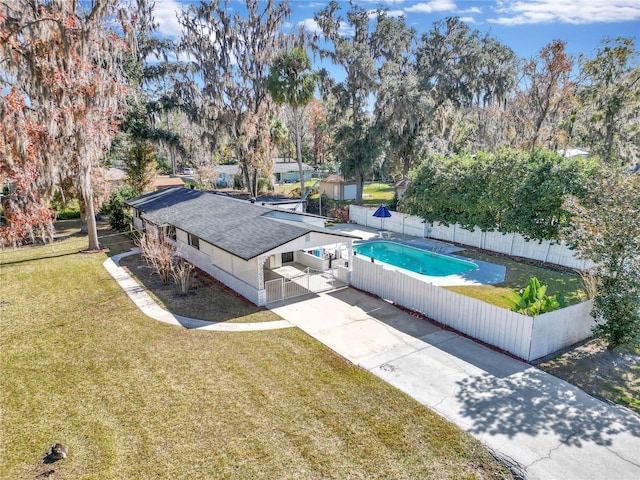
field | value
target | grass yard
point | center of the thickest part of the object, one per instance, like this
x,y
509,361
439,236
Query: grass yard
x,y
559,281
135,398
293,189
374,194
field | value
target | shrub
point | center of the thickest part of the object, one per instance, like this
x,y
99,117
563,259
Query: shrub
x,y
533,301
115,208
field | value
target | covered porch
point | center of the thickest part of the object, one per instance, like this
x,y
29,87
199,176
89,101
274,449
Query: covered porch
x,y
296,273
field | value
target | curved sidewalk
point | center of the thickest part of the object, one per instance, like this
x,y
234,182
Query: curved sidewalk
x,y
149,307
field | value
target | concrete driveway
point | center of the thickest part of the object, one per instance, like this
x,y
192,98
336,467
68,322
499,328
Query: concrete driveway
x,y
544,427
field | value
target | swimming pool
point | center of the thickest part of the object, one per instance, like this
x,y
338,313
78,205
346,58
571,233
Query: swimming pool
x,y
414,259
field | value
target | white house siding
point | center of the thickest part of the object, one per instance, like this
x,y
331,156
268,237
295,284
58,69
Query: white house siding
x,y
238,275
309,241
181,237
247,271
137,223
316,263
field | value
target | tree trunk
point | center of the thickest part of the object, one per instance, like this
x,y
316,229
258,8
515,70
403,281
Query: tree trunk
x,y
247,179
299,151
254,185
83,215
359,186
92,228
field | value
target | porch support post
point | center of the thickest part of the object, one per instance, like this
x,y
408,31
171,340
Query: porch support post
x,y
261,261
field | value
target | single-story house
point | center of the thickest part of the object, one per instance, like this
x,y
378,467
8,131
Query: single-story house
x,y
337,188
233,240
283,172
226,174
288,172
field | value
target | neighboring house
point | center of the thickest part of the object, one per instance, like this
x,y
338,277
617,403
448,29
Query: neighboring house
x,y
283,172
573,152
226,174
288,172
233,240
337,188
400,187
164,181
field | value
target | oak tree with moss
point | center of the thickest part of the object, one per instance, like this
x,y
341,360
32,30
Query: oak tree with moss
x,y
61,59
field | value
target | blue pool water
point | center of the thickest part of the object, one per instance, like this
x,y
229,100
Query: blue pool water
x,y
414,259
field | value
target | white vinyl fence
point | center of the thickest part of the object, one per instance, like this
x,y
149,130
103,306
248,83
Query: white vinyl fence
x,y
512,244
526,337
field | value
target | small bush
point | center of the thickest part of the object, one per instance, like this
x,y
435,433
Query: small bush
x,y
115,208
533,301
68,214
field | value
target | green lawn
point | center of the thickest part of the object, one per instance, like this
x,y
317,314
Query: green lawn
x,y
518,274
135,398
376,193
293,189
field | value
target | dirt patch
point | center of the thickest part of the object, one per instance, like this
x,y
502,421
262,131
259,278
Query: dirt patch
x,y
207,300
612,375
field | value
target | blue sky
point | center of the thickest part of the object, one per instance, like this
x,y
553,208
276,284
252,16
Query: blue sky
x,y
524,25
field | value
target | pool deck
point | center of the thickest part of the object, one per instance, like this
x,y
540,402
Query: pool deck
x,y
486,274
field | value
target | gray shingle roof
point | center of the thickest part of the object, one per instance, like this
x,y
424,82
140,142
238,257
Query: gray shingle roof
x,y
236,226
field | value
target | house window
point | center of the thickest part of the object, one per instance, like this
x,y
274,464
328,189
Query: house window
x,y
194,241
287,257
171,232
138,213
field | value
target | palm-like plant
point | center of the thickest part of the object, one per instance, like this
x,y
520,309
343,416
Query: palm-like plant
x,y
533,299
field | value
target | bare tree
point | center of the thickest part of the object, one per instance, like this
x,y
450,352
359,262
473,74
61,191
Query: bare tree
x,y
182,273
549,88
157,252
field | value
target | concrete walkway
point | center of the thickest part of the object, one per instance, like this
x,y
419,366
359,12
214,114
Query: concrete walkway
x,y
149,307
544,427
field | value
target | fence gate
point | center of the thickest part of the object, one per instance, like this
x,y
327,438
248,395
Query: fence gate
x,y
307,282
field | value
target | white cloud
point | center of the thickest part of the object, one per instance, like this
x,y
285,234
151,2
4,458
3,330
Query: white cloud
x,y
346,30
385,2
433,6
390,13
310,25
468,20
470,10
566,11
165,14
396,13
